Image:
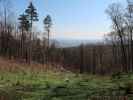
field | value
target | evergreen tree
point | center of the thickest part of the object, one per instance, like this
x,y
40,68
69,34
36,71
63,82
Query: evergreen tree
x,y
24,27
32,16
24,23
48,23
31,13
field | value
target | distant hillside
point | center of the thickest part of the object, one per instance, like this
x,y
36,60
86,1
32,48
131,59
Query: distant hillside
x,y
74,42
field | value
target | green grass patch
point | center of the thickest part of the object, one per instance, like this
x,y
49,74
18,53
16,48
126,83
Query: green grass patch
x,y
62,86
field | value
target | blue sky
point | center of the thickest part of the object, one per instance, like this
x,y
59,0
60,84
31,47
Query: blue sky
x,y
72,19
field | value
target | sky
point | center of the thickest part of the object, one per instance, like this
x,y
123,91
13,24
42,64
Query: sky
x,y
72,19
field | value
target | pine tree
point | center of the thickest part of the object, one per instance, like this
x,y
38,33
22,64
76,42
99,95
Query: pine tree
x,y
23,26
48,23
24,23
31,13
32,16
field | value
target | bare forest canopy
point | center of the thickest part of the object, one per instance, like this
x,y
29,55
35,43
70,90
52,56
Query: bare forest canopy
x,y
19,41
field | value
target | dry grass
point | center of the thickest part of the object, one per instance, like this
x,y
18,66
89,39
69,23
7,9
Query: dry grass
x,y
17,66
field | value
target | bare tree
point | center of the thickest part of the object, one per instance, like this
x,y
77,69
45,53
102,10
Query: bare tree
x,y
115,12
129,30
6,26
82,58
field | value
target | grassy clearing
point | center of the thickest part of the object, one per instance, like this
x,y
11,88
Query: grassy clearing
x,y
23,82
61,86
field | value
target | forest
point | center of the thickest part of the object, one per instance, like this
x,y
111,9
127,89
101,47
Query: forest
x,y
34,68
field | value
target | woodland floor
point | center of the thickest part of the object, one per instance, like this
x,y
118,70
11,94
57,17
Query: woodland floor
x,y
21,82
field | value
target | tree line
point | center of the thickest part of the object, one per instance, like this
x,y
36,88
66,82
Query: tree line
x,y
18,40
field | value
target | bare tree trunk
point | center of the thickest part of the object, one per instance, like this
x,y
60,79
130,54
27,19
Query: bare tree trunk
x,y
81,58
124,60
123,51
30,46
94,60
48,47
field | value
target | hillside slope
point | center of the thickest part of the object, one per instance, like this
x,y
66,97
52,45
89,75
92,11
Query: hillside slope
x,y
19,82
